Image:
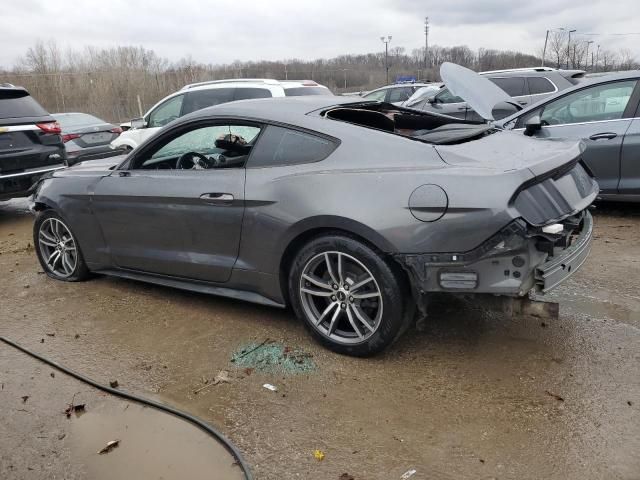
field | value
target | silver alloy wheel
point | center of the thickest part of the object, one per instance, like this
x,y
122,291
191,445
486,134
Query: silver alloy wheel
x,y
57,247
341,297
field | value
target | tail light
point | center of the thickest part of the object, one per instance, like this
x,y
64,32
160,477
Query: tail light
x,y
116,130
49,127
69,136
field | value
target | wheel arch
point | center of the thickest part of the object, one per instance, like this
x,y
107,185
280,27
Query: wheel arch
x,y
308,229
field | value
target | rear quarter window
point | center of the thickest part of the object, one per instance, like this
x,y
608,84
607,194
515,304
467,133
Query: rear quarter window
x,y
18,103
538,85
302,91
284,146
246,93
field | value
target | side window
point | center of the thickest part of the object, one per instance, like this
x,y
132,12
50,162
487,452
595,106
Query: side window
x,y
378,96
600,102
538,85
213,146
209,97
246,93
166,112
513,86
400,94
283,146
445,96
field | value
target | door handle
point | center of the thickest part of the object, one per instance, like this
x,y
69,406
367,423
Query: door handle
x,y
523,102
462,108
603,136
217,198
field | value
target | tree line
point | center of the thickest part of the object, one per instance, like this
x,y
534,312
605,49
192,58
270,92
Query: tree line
x,y
122,82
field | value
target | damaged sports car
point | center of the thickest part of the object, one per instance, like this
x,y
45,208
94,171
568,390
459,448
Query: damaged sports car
x,y
351,212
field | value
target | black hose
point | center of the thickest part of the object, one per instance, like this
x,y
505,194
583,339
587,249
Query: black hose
x,y
129,396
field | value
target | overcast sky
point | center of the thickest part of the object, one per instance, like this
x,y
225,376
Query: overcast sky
x,y
221,31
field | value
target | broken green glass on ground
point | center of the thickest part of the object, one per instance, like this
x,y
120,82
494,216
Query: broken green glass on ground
x,y
273,357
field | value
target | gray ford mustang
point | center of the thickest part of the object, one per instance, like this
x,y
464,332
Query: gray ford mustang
x,y
351,212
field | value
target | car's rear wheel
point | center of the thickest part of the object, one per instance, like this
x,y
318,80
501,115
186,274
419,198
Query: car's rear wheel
x,y
348,296
57,248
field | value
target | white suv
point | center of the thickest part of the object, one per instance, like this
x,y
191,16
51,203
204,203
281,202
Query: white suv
x,y
206,94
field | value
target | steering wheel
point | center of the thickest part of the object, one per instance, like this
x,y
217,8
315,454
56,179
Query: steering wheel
x,y
194,161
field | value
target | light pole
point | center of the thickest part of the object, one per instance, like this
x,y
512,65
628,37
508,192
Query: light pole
x,y
597,55
544,50
569,46
586,60
344,70
386,54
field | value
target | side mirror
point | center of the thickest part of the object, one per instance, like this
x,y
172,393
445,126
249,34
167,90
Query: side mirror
x,y
138,123
431,99
533,125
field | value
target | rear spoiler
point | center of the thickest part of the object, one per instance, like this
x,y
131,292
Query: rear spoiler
x,y
573,76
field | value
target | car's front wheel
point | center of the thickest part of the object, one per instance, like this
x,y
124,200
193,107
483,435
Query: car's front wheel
x,y
348,296
57,248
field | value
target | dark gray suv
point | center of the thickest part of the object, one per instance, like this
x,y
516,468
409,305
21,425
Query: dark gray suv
x,y
525,85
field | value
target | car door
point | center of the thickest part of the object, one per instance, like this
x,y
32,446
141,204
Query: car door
x,y
630,160
165,214
600,115
447,103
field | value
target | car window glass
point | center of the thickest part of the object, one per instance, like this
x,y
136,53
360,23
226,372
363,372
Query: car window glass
x,y
199,99
378,96
283,146
600,102
513,86
538,85
246,93
72,120
166,112
400,94
18,103
222,145
306,91
445,96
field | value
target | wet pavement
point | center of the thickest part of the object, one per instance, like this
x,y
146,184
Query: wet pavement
x,y
475,395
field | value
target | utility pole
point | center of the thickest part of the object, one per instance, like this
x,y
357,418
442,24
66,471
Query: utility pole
x,y
386,54
597,55
426,45
586,60
569,47
544,50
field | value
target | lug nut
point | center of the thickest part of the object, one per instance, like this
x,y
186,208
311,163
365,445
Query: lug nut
x,y
351,299
343,305
333,297
334,286
346,286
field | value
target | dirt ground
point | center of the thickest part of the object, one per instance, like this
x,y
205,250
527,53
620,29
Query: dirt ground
x,y
475,395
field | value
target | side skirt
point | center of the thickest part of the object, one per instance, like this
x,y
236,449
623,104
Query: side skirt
x,y
192,286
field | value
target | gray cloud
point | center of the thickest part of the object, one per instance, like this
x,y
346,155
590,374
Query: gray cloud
x,y
226,30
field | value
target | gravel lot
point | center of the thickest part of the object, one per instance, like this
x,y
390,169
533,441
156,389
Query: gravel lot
x,y
475,395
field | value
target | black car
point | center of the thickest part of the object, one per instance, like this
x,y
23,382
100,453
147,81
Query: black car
x,y
30,142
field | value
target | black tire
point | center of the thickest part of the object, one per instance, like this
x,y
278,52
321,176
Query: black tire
x,y
79,272
395,305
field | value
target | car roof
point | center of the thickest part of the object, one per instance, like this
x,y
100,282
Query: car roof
x,y
287,110
401,85
585,82
250,83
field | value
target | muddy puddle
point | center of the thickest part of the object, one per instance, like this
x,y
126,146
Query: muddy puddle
x,y
151,445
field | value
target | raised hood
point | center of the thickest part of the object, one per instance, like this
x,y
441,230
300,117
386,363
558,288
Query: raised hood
x,y
479,92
